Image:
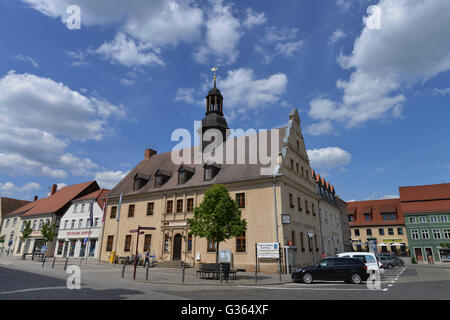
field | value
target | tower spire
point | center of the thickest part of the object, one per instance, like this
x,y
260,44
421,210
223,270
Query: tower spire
x,y
214,69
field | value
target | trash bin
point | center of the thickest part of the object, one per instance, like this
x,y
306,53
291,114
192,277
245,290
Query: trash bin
x,y
111,257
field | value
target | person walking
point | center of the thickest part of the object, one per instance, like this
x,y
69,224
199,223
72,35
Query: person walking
x,y
147,258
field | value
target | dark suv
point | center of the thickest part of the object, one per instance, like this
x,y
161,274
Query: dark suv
x,y
350,270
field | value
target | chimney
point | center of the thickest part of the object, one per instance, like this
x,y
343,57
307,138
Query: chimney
x,y
149,153
35,198
54,187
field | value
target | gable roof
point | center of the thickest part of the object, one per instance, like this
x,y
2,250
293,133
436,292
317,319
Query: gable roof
x,y
8,205
163,163
56,201
98,195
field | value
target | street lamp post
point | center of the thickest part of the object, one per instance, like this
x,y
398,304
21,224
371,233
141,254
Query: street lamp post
x,y
138,233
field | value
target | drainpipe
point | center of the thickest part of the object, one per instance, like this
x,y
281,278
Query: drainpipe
x,y
275,175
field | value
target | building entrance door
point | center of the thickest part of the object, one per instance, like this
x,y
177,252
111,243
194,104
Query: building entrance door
x,y
177,247
429,254
418,253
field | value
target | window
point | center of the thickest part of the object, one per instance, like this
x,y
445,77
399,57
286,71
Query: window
x,y
425,234
444,219
113,212
75,209
309,244
127,242
109,243
369,232
298,145
240,242
190,204
240,199
392,216
60,247
208,173
96,222
446,233
65,224
82,208
212,245
414,234
412,220
140,180
180,205
181,177
381,232
312,209
184,174
166,243
131,210
292,164
434,219
147,242
72,226
351,218
7,223
367,217
14,222
41,222
291,203
357,232
299,203
301,241
400,231
150,207
158,180
169,207
80,224
306,206
189,243
422,220
303,171
296,166
437,234
391,231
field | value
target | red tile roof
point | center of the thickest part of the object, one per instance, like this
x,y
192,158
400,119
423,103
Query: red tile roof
x,y
376,208
56,201
428,198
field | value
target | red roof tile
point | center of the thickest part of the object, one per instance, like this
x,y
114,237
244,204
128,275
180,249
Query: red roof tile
x,y
376,208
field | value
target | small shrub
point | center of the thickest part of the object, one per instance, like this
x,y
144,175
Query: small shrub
x,y
413,260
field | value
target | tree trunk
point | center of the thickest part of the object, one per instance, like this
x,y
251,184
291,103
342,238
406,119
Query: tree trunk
x,y
217,252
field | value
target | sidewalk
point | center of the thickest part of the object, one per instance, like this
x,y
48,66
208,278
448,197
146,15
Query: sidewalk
x,y
156,275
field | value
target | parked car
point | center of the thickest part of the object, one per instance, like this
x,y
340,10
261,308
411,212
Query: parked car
x,y
386,261
349,270
369,258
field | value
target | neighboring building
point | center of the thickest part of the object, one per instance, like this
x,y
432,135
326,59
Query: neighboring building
x,y
9,223
161,194
330,217
427,217
76,236
44,210
377,225
346,235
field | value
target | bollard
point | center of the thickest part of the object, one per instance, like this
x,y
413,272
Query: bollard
x,y
65,266
220,272
146,275
123,269
182,272
43,261
53,265
256,275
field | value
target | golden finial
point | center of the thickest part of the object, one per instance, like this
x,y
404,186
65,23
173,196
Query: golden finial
x,y
214,69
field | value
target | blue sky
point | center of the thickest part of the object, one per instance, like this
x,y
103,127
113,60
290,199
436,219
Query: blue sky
x,y
78,105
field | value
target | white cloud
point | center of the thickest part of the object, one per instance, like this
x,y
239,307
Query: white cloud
x,y
278,42
40,117
320,128
127,52
223,32
274,34
109,179
337,35
442,92
412,46
389,196
10,187
327,158
26,59
287,49
254,19
243,92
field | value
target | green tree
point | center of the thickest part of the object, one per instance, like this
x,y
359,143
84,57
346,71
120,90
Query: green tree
x,y
48,231
26,232
218,217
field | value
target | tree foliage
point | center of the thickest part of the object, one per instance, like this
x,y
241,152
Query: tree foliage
x,y
48,231
26,232
218,217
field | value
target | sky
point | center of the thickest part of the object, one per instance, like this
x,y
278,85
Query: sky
x,y
80,99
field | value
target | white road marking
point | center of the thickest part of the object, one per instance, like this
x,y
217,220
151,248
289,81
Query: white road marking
x,y
315,289
33,289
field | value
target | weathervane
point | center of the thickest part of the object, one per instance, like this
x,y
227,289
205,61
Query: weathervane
x,y
214,69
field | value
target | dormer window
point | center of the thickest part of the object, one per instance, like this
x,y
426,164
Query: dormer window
x,y
140,180
211,170
161,177
184,174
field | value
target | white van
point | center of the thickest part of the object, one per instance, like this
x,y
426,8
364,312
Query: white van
x,y
369,258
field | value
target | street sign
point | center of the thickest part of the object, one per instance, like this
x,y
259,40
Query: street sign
x,y
310,234
268,250
147,228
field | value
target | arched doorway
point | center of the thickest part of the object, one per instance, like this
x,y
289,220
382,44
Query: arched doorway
x,y
177,247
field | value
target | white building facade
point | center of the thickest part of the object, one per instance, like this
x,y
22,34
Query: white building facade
x,y
77,237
